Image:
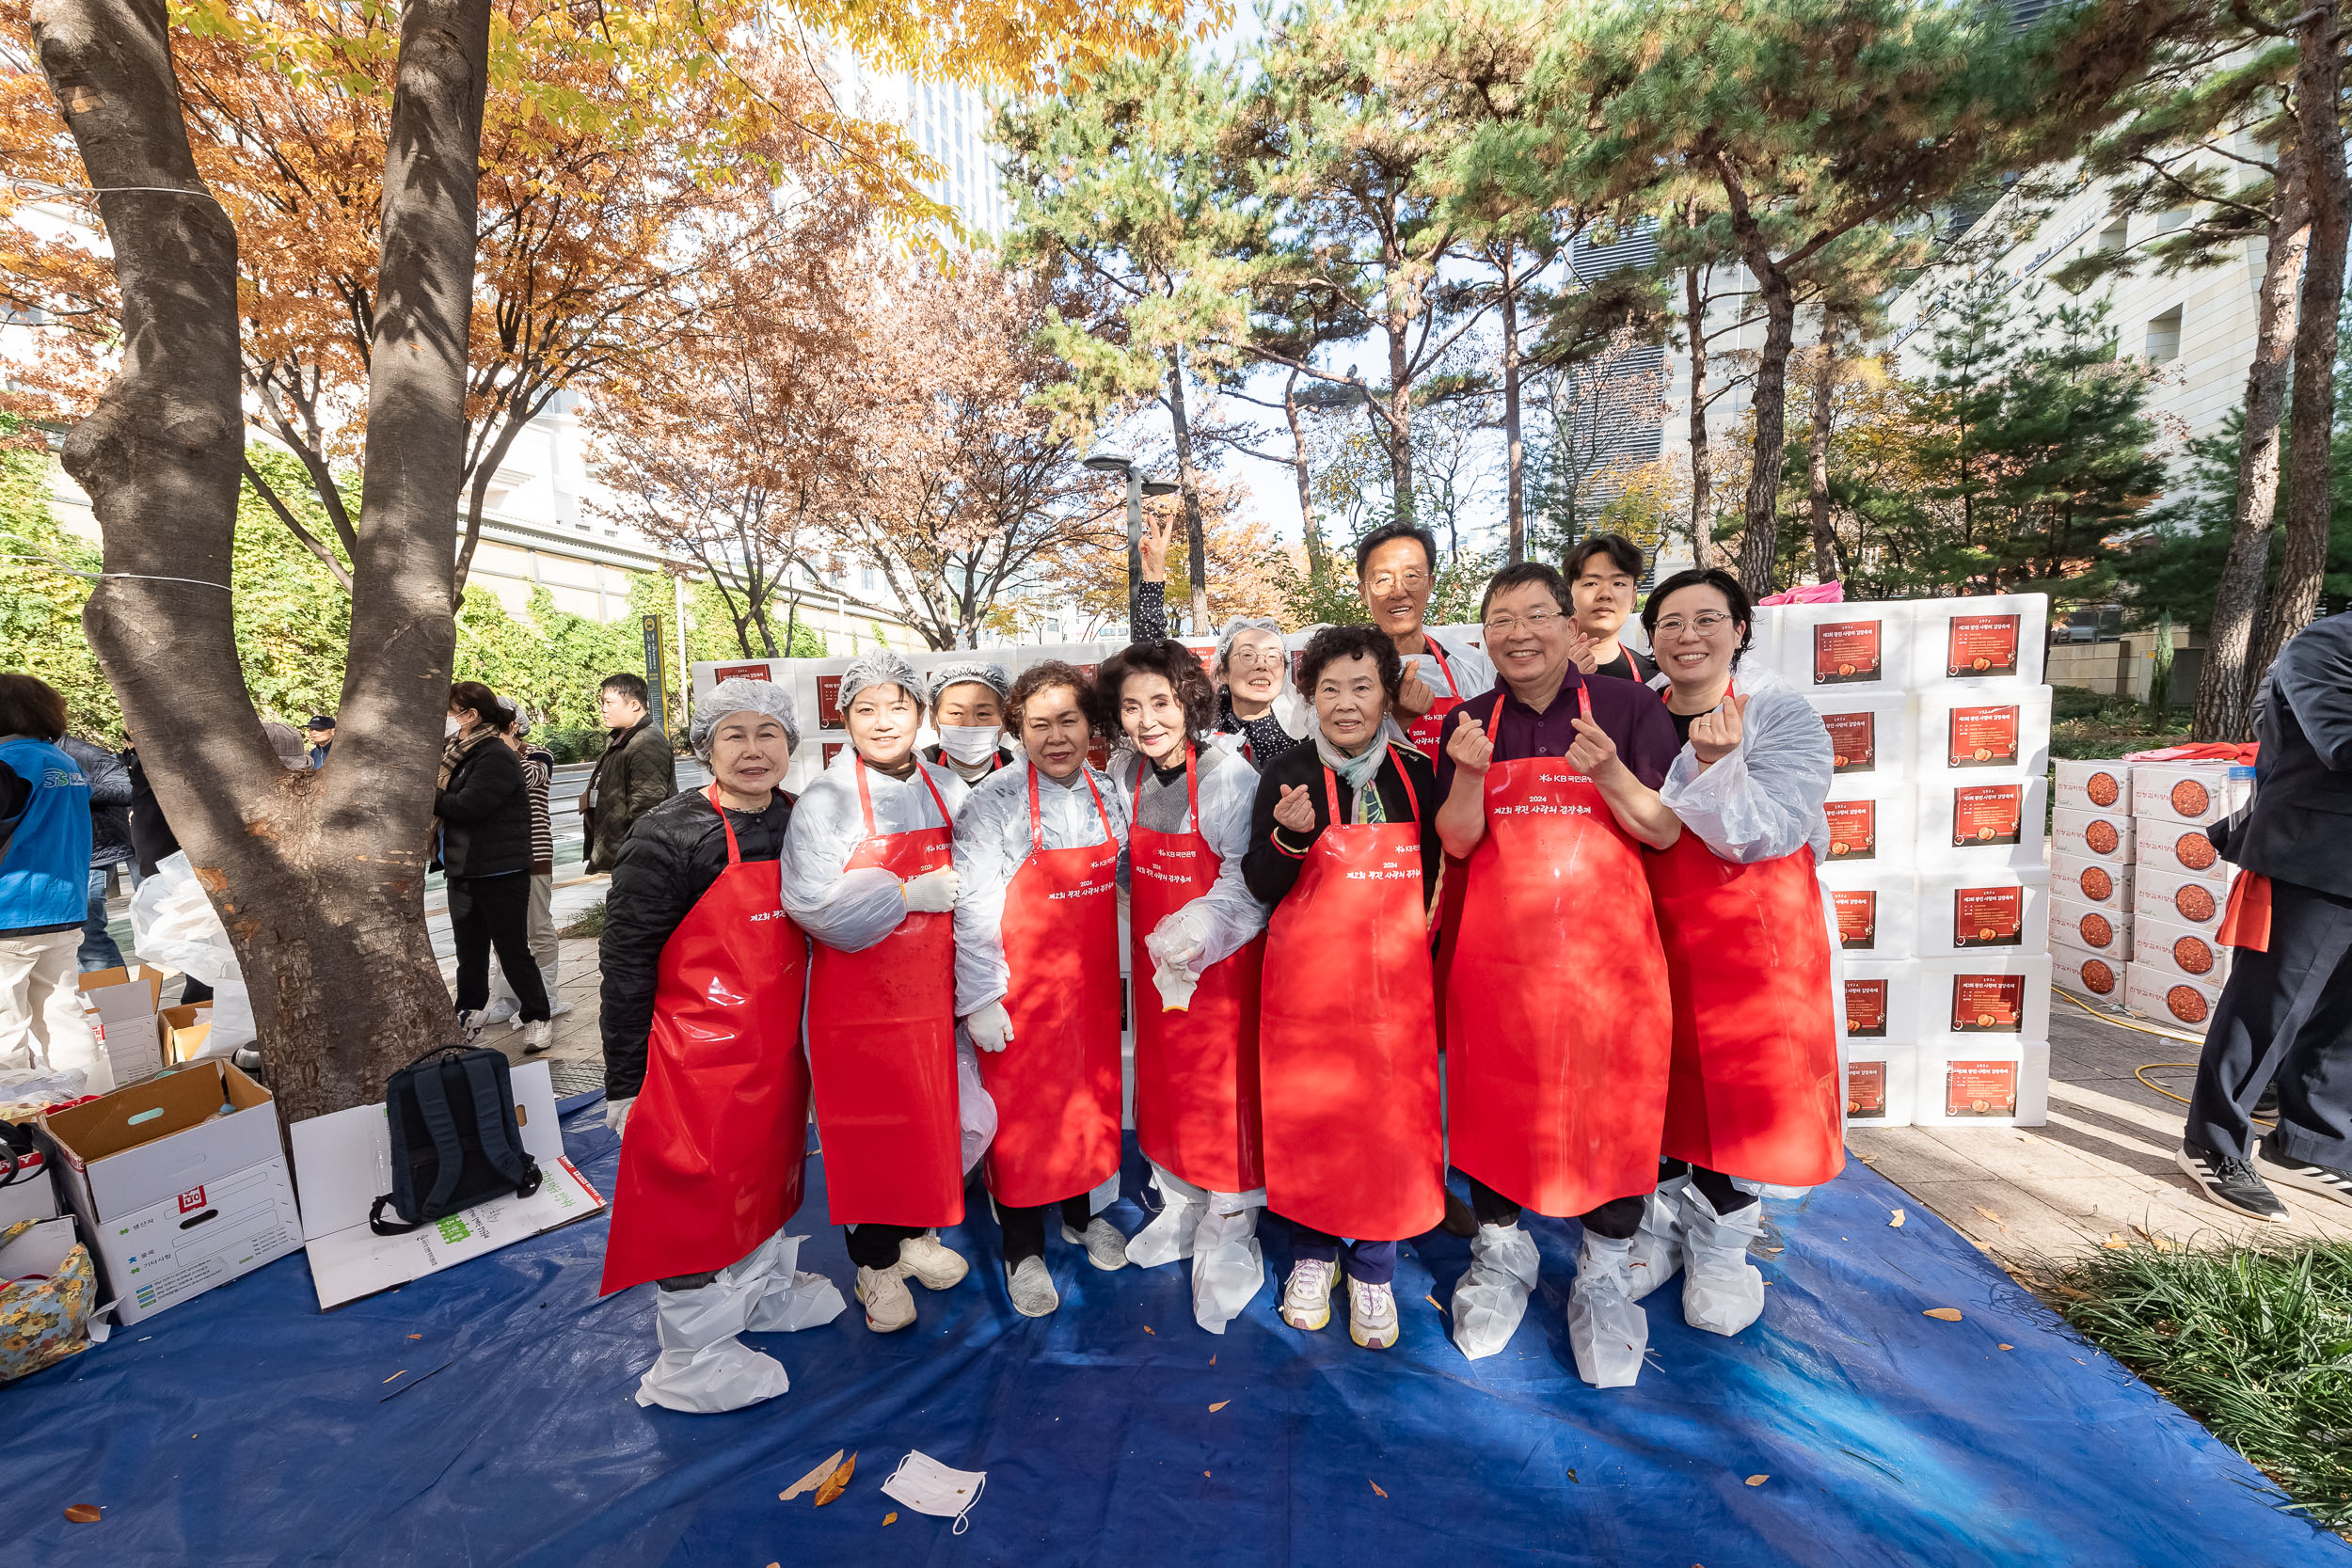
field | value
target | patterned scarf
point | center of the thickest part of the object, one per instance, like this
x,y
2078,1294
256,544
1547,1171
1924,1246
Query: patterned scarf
x,y
1360,773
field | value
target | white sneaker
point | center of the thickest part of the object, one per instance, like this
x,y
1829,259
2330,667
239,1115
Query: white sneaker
x,y
538,1036
889,1305
1608,1331
1306,1296
1371,1314
1658,1245
1107,1249
1722,1291
936,1265
1492,1298
1031,1286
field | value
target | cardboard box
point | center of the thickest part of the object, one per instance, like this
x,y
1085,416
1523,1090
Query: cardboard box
x,y
2089,974
2088,880
2180,898
1881,1086
2163,846
1968,821
1996,910
345,1161
2106,932
2105,836
2193,792
1983,1084
2183,951
1995,996
179,1184
126,1002
2169,998
2093,786
180,1032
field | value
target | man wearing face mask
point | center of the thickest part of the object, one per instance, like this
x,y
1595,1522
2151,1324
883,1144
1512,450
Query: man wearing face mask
x,y
1604,572
968,711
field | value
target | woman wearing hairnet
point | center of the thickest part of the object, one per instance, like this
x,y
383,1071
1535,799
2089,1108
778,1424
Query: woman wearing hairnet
x,y
968,711
1200,936
1258,713
868,874
703,1072
1037,978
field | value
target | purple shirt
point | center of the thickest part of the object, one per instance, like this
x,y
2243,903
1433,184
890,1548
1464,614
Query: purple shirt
x,y
1633,715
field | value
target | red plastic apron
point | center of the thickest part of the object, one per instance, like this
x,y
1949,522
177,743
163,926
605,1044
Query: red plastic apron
x,y
1753,1090
1428,731
1196,1070
1348,1038
1559,1026
881,1049
710,1162
1057,1085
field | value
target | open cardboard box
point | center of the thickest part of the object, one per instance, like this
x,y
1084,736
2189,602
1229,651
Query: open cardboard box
x,y
345,1161
126,1002
180,1032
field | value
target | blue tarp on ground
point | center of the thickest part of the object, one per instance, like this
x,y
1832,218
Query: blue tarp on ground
x,y
483,1416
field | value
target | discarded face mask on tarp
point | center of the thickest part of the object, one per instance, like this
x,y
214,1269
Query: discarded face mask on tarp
x,y
927,1486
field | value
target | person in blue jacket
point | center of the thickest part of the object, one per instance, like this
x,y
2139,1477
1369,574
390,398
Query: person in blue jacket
x,y
44,883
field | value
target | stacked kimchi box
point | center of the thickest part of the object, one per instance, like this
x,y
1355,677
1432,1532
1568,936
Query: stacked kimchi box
x,y
1941,729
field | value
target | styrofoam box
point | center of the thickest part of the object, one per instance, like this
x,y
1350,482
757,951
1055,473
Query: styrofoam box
x,y
2161,847
1969,820
1871,735
2183,897
2005,911
2094,835
1881,1083
1871,821
2106,932
2088,880
1764,634
1964,732
2199,792
1847,648
1976,1083
1982,640
2182,951
2168,998
2093,786
1985,995
1877,909
2100,978
1882,1003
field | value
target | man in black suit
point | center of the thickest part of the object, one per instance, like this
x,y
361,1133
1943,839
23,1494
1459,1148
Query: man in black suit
x,y
2286,1013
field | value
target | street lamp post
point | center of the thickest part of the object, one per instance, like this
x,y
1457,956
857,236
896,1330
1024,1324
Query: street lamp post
x,y
1110,462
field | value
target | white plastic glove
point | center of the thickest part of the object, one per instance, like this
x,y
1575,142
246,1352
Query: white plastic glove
x,y
617,1112
1179,940
991,1028
933,893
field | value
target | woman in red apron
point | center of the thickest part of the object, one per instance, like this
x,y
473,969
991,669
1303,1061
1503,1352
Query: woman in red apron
x,y
1343,844
1558,1026
1197,944
704,1075
868,874
1037,979
1753,1093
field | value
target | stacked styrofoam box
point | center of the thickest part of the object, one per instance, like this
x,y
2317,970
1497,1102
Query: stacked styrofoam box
x,y
1941,728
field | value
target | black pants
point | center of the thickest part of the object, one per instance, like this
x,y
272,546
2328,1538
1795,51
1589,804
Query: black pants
x,y
1368,1262
1024,1229
1615,1220
1717,1187
876,1246
495,911
2285,1017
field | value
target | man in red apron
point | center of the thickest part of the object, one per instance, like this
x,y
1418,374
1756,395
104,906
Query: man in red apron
x,y
867,873
1037,979
1196,947
1343,844
704,1075
1754,1097
1558,1025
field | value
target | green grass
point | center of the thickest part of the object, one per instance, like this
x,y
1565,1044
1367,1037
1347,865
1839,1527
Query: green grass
x,y
590,923
2254,1342
2085,724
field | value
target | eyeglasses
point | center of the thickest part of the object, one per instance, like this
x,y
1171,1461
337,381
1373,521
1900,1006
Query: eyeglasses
x,y
1504,626
1256,658
1387,582
1707,622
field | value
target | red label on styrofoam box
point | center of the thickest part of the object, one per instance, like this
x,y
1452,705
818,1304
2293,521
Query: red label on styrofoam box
x,y
1857,917
747,672
1983,738
1988,917
1852,741
1988,1004
1980,1088
1982,646
1854,830
833,750
829,702
1845,651
1865,1009
1866,1091
1988,813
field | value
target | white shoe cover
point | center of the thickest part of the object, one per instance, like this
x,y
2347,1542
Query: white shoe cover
x,y
703,1368
1492,1298
1658,1245
1169,1236
1722,1291
789,1299
1228,1267
1608,1331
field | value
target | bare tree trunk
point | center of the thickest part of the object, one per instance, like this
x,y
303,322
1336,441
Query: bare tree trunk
x,y
319,878
1514,450
1817,464
1400,419
1702,480
1188,480
2224,694
1760,539
2310,421
1318,553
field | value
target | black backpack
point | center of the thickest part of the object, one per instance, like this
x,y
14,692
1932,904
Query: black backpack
x,y
454,1138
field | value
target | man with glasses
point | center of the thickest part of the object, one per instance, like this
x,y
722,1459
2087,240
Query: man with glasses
x,y
1396,571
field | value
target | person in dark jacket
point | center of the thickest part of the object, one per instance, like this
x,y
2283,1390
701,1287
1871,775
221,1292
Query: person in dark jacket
x,y
1604,575
320,733
483,822
635,775
110,844
2285,1014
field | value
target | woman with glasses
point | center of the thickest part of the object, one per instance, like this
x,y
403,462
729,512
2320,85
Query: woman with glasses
x,y
1754,1092
1257,712
1558,1025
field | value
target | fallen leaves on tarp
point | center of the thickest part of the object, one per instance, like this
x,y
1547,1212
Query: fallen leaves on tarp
x,y
82,1513
1434,1302
1896,1223
2009,1347
1218,1406
891,1518
1572,1478
416,1336
837,1482
1950,1314
1146,1328
814,1478
1375,1486
1757,1481
403,1372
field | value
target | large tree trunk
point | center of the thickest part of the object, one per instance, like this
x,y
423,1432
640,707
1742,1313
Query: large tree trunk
x,y
318,877
1514,450
1397,326
1702,480
2311,421
1318,553
2224,692
1760,541
1816,458
1188,480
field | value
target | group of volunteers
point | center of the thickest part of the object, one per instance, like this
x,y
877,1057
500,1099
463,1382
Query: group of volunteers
x,y
1526,904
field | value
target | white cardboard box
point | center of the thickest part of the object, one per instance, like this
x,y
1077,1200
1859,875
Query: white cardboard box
x,y
1995,996
1984,641
125,1003
2161,847
2169,998
2183,897
2182,951
1996,912
179,1184
2102,979
1962,732
345,1161
1880,1083
1877,910
2105,836
1984,1084
2088,880
1973,821
2096,784
2106,932
2195,792
1871,735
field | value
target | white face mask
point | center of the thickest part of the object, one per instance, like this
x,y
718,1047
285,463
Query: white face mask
x,y
927,1486
449,725
969,744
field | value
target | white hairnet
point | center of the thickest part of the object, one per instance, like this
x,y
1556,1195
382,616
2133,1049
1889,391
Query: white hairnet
x,y
991,675
739,695
878,668
1225,642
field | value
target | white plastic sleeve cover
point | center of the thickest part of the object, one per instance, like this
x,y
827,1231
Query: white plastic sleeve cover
x,y
851,911
1765,800
1233,917
993,844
